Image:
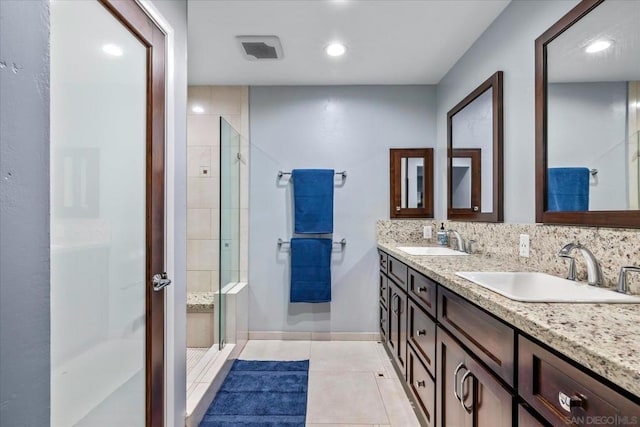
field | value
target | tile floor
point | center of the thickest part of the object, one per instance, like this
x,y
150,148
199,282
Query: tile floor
x,y
345,386
194,355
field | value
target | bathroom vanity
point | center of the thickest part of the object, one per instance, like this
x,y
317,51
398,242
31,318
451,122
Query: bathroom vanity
x,y
472,357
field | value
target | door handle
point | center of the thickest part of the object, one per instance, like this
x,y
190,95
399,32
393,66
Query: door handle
x,y
462,399
160,281
455,380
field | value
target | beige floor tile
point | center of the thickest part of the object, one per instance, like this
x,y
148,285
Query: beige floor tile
x,y
340,425
345,356
344,398
397,405
276,350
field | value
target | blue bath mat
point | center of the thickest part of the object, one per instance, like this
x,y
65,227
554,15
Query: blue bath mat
x,y
261,394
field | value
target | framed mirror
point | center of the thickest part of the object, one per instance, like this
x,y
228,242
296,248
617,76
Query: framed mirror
x,y
411,182
474,155
588,116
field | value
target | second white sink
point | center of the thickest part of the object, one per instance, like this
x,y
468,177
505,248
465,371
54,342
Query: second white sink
x,y
541,287
429,250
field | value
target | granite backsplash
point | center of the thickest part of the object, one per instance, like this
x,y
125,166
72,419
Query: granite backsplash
x,y
612,247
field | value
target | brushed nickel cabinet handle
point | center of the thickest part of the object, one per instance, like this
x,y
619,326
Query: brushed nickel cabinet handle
x,y
466,375
420,384
455,380
421,332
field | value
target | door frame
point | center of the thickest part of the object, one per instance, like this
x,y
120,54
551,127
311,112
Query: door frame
x,y
175,296
136,19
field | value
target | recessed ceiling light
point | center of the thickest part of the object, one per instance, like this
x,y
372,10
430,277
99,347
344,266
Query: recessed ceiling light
x,y
597,46
197,109
112,49
335,49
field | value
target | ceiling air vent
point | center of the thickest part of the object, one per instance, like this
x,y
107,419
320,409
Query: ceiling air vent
x,y
259,48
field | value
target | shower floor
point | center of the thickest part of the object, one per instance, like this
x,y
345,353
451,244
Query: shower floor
x,y
194,355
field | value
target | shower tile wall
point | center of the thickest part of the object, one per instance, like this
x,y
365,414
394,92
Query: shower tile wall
x,y
203,193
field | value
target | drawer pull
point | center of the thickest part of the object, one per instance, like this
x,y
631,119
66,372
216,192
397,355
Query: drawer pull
x,y
420,384
466,375
422,289
421,332
567,402
455,380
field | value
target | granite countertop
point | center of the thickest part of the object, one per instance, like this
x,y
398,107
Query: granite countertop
x,y
200,302
602,337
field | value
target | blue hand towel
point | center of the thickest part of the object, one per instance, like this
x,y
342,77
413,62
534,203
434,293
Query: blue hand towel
x,y
313,200
568,189
310,270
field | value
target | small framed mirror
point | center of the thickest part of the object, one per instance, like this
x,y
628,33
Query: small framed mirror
x,y
588,116
474,155
411,182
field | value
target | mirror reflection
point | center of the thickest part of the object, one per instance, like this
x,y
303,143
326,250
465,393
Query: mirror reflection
x,y
474,133
412,182
593,112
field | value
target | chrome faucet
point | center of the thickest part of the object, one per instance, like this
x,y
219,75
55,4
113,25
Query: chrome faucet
x,y
459,246
594,273
623,286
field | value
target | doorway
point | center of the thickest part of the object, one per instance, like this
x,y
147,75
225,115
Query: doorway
x,y
107,215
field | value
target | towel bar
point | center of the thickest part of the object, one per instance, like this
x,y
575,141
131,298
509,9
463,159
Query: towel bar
x,y
343,173
342,243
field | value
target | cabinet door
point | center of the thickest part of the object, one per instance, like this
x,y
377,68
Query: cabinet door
x,y
490,404
450,362
383,288
467,393
398,325
384,322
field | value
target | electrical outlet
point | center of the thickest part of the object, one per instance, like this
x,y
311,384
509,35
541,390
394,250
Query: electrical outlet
x,y
524,245
427,232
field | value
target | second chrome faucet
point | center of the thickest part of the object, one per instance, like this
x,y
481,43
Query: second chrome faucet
x,y
594,273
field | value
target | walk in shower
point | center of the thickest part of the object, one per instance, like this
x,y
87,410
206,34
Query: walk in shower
x,y
224,270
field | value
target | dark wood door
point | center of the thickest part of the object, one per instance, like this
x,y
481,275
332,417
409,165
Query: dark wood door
x,y
131,15
450,363
398,325
468,394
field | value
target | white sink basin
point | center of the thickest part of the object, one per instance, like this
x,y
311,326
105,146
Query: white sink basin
x,y
541,287
429,250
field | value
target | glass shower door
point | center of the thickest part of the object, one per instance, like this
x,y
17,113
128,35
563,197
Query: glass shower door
x,y
229,218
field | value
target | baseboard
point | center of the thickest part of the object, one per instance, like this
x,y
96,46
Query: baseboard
x,y
314,336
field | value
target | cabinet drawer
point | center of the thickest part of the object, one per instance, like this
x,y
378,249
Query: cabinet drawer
x,y
422,386
383,289
422,335
487,337
423,290
397,271
383,261
525,419
565,395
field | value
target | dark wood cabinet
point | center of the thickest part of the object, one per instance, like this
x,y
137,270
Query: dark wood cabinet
x,y
565,395
422,386
382,259
397,336
526,419
460,364
491,340
423,290
468,394
421,333
384,289
384,322
397,272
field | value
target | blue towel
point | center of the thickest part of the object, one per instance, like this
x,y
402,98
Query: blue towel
x,y
310,270
568,189
313,200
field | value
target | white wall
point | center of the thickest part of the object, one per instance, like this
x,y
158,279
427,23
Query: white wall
x,y
344,128
598,142
507,45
